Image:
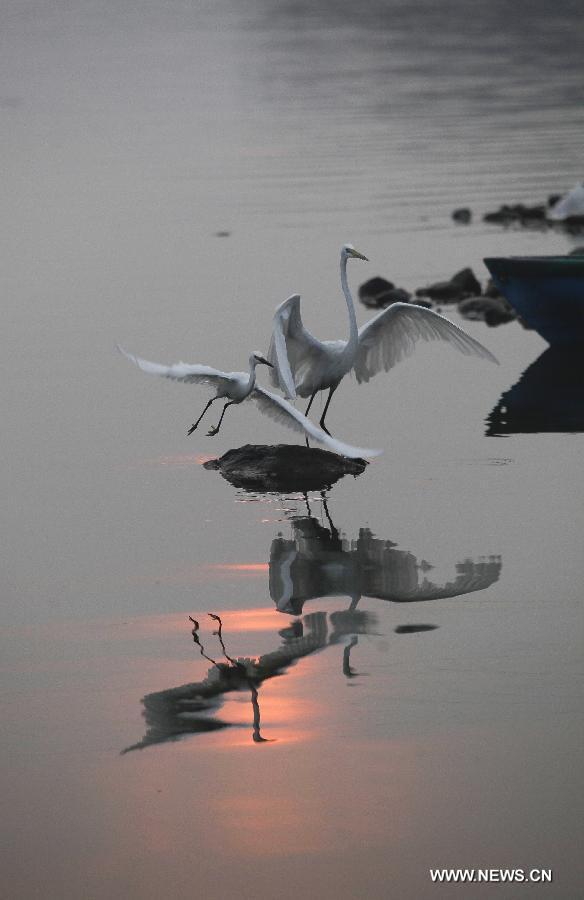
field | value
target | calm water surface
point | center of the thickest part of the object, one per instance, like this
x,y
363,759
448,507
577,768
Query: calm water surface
x,y
415,699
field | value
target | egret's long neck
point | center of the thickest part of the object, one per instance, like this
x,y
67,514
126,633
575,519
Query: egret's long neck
x,y
353,341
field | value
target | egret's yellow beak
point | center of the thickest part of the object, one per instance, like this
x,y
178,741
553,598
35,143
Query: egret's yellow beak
x,y
356,255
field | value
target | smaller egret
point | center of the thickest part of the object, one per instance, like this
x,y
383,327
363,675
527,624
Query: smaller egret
x,y
239,386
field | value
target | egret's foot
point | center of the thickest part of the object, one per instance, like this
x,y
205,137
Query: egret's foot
x,y
192,428
325,429
212,432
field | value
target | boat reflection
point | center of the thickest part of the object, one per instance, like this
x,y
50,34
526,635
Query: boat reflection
x,y
549,396
190,708
318,562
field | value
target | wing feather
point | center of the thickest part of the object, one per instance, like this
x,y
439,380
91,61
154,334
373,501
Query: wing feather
x,y
188,374
292,348
284,413
392,334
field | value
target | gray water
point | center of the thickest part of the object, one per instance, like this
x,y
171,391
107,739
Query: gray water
x,y
134,133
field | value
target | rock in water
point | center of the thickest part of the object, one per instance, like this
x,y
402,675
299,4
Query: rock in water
x,y
492,310
463,215
370,290
463,284
284,467
414,629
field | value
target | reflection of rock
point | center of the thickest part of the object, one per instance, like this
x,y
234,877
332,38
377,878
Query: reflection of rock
x,y
317,562
284,467
184,710
549,396
463,284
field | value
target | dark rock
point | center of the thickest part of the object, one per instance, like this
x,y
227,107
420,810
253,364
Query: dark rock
x,y
492,310
463,284
492,290
466,281
553,199
538,213
501,216
423,301
395,295
378,293
414,629
517,212
284,467
577,251
463,215
440,290
374,288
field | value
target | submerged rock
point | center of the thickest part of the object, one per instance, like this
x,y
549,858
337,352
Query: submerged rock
x,y
284,467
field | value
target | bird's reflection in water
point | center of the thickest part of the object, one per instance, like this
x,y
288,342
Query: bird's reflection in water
x,y
188,709
549,396
318,562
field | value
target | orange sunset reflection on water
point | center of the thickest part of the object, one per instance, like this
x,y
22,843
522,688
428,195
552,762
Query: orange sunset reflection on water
x,y
261,677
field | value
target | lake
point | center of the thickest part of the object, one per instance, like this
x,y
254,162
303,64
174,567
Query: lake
x,y
412,697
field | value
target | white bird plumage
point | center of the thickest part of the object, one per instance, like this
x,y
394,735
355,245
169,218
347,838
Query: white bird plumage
x,y
303,365
239,386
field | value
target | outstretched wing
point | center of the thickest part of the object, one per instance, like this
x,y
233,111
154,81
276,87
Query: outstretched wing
x,y
293,350
181,371
391,335
283,412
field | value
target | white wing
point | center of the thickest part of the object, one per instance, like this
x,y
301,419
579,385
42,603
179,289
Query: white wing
x,y
283,412
181,371
293,350
391,335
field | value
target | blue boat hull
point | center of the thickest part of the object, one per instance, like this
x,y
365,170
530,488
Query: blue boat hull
x,y
547,292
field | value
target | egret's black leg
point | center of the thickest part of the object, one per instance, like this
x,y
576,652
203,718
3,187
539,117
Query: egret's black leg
x,y
326,406
194,425
307,411
334,532
213,431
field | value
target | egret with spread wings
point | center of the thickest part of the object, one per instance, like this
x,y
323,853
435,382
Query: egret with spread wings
x,y
235,387
303,365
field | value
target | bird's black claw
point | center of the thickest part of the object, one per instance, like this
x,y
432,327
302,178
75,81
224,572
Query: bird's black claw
x,y
191,429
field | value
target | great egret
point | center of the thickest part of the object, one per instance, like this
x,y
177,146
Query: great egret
x,y
303,365
240,386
